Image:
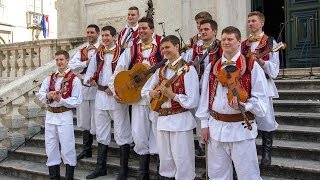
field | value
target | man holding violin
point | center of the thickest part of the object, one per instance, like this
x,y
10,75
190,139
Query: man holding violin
x,y
228,125
257,43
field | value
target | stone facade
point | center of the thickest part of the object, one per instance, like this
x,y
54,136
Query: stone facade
x,y
75,15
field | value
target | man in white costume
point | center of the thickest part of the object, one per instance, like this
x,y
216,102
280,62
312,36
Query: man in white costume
x,y
85,112
61,91
175,122
257,43
229,138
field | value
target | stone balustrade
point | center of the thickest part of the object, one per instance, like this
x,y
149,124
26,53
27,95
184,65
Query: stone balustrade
x,y
21,114
18,59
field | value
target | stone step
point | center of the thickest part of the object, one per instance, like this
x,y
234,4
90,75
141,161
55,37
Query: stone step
x,y
298,106
298,119
4,177
281,167
282,148
17,169
299,94
298,84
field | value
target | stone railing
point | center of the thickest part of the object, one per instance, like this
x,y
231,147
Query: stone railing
x,y
21,114
19,59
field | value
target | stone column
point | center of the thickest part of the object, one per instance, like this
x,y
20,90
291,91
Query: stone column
x,y
233,13
68,18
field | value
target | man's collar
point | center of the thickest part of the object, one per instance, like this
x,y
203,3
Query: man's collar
x,y
232,61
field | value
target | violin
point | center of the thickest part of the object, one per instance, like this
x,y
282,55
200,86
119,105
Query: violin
x,y
229,77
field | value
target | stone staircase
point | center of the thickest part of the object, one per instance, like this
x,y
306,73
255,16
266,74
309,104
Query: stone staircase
x,y
296,150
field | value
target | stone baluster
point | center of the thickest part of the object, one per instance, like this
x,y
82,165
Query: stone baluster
x,y
2,57
36,57
15,122
28,60
13,63
5,64
20,53
3,134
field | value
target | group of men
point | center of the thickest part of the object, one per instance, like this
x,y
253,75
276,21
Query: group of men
x,y
196,99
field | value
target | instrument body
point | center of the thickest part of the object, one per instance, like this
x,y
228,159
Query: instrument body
x,y
128,84
156,103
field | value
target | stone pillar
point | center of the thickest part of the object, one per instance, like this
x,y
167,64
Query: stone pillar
x,y
21,62
233,13
68,18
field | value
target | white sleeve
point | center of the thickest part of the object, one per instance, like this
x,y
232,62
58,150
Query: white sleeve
x,y
122,65
258,102
76,64
188,55
43,91
203,111
150,85
92,68
271,67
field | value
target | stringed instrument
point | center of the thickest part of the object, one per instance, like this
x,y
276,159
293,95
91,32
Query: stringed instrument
x,y
156,103
230,77
196,63
275,48
128,84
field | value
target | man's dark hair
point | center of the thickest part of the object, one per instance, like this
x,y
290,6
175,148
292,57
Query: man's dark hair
x,y
62,52
134,8
203,14
147,20
171,38
232,30
95,27
112,30
213,24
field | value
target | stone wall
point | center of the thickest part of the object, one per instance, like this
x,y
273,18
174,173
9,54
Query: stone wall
x,y
74,16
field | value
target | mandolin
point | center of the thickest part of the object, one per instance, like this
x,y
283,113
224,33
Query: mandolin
x,y
128,84
155,104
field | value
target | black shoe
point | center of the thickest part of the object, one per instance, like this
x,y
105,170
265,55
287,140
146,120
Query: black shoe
x,y
144,161
166,178
87,145
124,157
54,172
69,172
266,148
101,167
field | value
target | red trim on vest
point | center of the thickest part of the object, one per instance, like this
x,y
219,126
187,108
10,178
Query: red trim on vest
x,y
121,34
139,57
245,66
66,83
263,46
177,87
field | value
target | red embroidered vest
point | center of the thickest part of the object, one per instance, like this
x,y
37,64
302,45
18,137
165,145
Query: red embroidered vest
x,y
214,55
100,60
66,84
123,31
244,64
84,56
137,57
177,87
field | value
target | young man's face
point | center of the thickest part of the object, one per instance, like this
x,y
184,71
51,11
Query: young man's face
x,y
132,17
107,38
255,24
92,35
145,32
169,50
61,62
229,43
198,23
207,33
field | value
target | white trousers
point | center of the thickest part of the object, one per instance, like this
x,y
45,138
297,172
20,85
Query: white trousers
x,y
121,123
242,153
63,134
268,122
143,130
176,152
85,116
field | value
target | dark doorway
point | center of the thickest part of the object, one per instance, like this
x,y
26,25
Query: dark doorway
x,y
275,17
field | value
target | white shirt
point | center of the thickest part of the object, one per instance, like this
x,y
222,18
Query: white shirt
x,y
182,121
124,63
134,28
103,101
256,104
270,67
70,102
76,65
